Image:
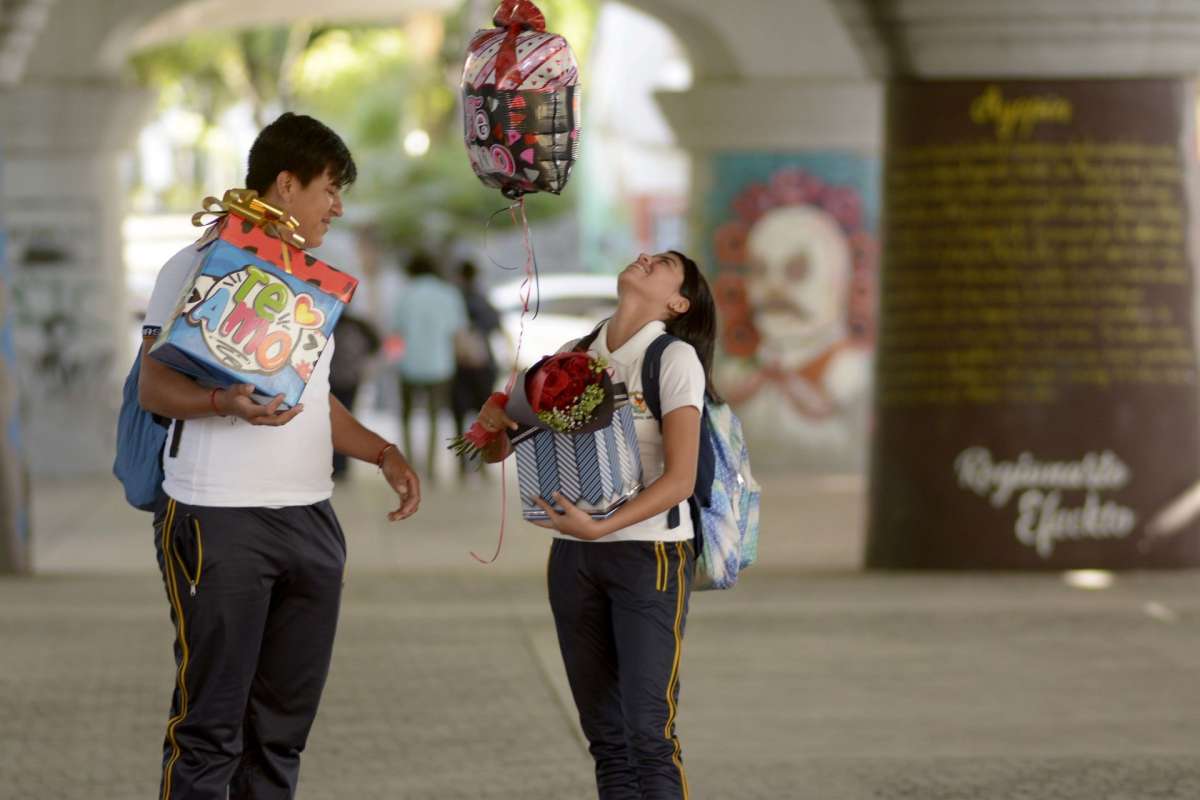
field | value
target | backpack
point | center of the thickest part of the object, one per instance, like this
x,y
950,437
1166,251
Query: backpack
x,y
724,505
140,440
141,435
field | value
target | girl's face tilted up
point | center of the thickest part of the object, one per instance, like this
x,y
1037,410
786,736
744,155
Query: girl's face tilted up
x,y
655,280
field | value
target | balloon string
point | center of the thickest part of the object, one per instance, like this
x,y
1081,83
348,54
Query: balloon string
x,y
487,233
529,286
503,516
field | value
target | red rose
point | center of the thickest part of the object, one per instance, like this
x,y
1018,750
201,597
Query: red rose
x,y
560,381
579,367
554,383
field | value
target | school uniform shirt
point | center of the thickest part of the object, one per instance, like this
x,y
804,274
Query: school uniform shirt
x,y
225,461
681,383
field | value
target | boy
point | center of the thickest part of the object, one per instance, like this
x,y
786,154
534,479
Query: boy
x,y
249,547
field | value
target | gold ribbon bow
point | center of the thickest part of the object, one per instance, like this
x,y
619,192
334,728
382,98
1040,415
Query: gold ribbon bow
x,y
246,203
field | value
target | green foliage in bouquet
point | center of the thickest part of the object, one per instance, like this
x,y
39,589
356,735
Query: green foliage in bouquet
x,y
576,416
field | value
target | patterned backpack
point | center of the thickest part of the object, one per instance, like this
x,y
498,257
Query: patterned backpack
x,y
725,503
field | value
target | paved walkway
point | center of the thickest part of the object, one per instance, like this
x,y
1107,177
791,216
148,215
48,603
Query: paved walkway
x,y
811,680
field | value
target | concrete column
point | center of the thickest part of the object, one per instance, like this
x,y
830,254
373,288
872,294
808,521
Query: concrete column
x,y
1036,396
14,487
785,222
64,201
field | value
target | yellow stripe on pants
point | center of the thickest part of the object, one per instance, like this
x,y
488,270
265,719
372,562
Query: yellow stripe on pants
x,y
668,732
660,555
181,630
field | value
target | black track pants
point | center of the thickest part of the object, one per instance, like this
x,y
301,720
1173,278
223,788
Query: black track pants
x,y
254,596
620,609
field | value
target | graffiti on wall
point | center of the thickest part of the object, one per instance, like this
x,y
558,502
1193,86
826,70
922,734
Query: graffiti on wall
x,y
793,241
14,495
64,343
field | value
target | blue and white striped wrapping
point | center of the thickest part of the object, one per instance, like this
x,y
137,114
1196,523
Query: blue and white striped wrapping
x,y
597,471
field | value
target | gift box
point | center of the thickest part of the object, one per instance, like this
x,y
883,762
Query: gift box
x,y
258,309
598,468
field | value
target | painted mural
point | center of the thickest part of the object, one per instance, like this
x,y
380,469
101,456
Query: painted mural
x,y
793,240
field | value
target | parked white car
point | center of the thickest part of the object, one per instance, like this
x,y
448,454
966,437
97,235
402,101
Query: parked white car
x,y
571,305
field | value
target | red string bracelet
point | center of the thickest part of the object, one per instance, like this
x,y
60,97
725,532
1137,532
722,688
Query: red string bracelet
x,y
382,453
212,401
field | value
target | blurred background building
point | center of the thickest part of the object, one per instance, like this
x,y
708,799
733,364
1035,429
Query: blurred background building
x,y
117,118
753,134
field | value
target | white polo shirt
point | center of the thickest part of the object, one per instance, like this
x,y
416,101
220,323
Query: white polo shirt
x,y
225,461
680,383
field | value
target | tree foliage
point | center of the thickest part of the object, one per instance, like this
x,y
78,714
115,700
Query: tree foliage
x,y
374,85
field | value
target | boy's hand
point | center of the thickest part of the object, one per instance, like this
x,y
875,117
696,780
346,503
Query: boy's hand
x,y
404,481
237,402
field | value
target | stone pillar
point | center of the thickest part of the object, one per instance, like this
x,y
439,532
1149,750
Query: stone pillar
x,y
785,222
14,487
64,202
1036,396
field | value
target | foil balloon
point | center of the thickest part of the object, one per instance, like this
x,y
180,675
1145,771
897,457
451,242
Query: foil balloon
x,y
521,103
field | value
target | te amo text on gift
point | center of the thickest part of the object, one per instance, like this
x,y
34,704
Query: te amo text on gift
x,y
254,322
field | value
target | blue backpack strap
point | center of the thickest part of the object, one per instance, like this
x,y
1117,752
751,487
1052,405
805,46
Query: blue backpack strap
x,y
651,369
175,438
706,464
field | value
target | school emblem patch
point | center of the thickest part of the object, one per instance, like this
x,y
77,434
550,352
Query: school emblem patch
x,y
638,401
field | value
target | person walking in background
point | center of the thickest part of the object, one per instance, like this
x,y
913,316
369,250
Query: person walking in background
x,y
475,372
357,341
428,316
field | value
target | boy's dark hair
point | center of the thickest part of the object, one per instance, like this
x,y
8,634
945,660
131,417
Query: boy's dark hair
x,y
303,146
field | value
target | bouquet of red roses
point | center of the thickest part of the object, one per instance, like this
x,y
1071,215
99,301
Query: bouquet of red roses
x,y
565,393
566,389
575,437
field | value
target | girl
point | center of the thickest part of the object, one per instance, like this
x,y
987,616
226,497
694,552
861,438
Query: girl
x,y
619,587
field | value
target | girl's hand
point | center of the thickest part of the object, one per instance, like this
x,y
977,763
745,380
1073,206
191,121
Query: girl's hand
x,y
572,521
493,419
489,433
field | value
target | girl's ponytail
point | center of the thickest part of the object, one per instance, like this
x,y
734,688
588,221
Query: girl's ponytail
x,y
698,325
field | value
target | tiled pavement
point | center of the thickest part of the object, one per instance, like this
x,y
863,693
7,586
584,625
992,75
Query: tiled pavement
x,y
811,680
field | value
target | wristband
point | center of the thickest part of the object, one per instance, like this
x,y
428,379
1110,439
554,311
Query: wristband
x,y
382,453
212,401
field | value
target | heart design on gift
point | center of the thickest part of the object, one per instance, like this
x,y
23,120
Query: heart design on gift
x,y
308,315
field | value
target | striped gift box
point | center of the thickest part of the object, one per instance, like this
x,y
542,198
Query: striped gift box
x,y
597,471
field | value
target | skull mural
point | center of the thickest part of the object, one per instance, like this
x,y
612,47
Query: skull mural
x,y
798,280
796,297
